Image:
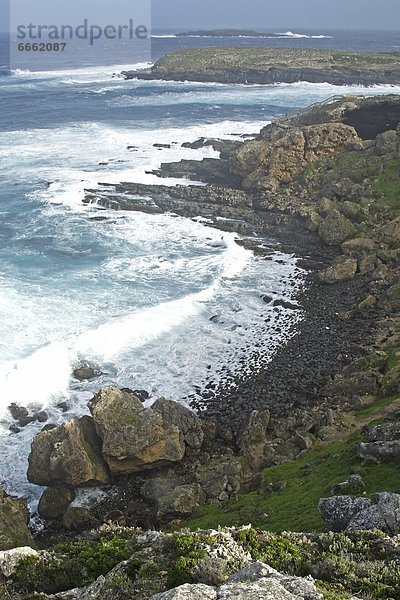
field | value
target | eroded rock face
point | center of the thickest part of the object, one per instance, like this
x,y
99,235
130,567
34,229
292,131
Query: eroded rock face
x,y
68,455
134,438
284,152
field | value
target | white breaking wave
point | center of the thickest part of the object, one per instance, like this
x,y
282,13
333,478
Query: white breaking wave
x,y
291,34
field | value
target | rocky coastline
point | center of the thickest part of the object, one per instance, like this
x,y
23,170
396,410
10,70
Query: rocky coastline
x,y
323,184
266,66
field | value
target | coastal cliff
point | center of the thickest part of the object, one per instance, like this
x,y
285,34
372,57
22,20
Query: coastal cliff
x,y
274,65
310,442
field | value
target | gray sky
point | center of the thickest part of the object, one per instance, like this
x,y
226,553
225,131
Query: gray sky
x,y
269,14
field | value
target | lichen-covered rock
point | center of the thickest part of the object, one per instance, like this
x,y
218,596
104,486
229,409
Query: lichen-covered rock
x,y
55,501
188,591
14,519
180,502
354,484
175,414
343,268
383,514
9,559
337,511
252,438
134,438
379,451
336,228
68,455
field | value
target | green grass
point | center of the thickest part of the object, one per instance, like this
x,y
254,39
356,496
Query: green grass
x,y
387,185
306,480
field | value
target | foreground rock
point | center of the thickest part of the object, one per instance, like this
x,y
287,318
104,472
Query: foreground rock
x,y
229,564
257,581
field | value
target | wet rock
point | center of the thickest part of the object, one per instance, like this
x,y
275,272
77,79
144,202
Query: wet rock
x,y
22,416
134,438
86,372
343,268
14,519
55,501
68,455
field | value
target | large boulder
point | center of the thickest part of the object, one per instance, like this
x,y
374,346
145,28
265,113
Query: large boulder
x,y
381,511
175,414
14,519
134,438
55,501
337,511
336,229
343,268
252,438
256,581
383,514
68,455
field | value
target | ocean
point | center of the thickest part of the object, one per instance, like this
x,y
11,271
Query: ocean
x,y
155,302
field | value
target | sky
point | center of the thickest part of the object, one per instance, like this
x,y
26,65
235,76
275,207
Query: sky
x,y
269,15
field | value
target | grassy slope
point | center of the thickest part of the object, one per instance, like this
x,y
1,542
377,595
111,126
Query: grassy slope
x,y
263,58
305,481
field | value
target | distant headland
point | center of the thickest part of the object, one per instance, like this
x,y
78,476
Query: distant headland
x,y
275,65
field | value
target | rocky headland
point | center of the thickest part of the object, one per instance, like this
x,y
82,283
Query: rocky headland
x,y
308,444
274,65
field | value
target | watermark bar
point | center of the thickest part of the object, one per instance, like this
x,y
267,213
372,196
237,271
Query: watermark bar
x,y
51,36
